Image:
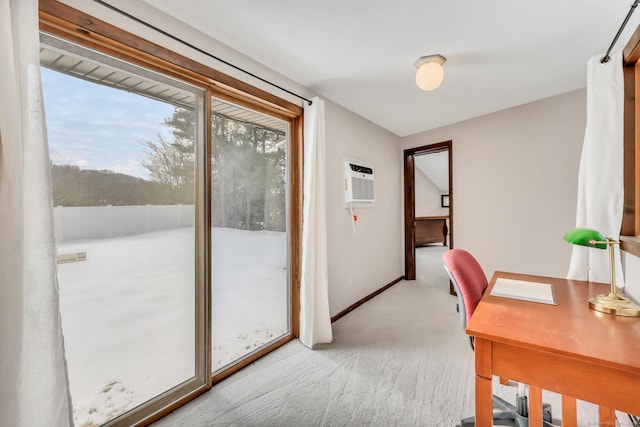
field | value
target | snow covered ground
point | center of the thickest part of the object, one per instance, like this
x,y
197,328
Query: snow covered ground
x,y
128,312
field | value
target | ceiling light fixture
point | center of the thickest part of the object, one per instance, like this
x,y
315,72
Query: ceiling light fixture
x,y
430,73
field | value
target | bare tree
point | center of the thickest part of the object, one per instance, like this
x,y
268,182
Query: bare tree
x,y
168,164
172,163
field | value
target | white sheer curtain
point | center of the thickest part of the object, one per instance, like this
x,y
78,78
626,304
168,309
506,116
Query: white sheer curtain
x,y
315,320
33,388
600,180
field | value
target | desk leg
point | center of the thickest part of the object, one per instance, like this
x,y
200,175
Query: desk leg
x,y
535,405
569,413
484,400
607,416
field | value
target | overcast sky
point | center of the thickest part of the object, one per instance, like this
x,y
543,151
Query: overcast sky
x,y
96,127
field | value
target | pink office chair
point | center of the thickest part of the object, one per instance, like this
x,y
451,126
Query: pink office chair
x,y
470,283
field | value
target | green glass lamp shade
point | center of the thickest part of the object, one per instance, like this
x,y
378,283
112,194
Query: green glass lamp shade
x,y
586,237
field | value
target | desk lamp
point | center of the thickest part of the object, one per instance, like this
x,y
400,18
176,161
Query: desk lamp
x,y
610,303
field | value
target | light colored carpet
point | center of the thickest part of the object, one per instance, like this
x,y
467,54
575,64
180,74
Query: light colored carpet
x,y
401,359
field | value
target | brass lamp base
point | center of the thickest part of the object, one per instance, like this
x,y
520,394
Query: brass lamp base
x,y
614,304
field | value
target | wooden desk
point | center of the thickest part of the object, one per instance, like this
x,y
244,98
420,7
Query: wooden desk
x,y
567,348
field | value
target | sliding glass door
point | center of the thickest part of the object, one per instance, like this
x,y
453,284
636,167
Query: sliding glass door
x,y
177,197
127,149
249,254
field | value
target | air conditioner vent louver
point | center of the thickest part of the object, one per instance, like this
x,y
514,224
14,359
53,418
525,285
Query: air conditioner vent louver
x,y
359,182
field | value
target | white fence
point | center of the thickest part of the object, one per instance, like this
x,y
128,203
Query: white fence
x,y
95,222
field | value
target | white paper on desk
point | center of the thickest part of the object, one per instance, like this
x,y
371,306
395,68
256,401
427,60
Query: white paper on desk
x,y
523,290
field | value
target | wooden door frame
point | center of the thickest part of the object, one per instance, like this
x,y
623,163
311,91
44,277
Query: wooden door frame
x,y
410,202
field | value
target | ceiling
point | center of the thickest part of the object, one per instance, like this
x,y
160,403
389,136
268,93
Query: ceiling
x,y
435,166
361,53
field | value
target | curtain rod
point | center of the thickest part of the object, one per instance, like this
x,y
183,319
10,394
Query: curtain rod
x,y
606,56
171,36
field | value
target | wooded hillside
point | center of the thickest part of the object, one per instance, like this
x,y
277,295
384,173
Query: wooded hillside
x,y
73,186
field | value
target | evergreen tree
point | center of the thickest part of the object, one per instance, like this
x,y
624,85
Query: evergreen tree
x,y
247,170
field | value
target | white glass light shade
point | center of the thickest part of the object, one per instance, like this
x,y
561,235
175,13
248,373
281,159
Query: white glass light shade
x,y
429,75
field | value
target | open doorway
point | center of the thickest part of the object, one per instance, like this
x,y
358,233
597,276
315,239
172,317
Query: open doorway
x,y
428,201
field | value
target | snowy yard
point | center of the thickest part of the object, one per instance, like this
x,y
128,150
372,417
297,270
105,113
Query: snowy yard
x,y
128,311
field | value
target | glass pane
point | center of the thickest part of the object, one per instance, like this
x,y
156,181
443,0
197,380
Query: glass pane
x,y
250,290
123,190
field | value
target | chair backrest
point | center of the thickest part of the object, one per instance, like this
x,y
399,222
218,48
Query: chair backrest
x,y
468,278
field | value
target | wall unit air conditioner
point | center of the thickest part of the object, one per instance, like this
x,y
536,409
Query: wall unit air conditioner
x,y
358,182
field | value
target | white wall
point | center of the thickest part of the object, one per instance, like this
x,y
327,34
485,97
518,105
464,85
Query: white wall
x,y
515,183
428,200
96,222
362,263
